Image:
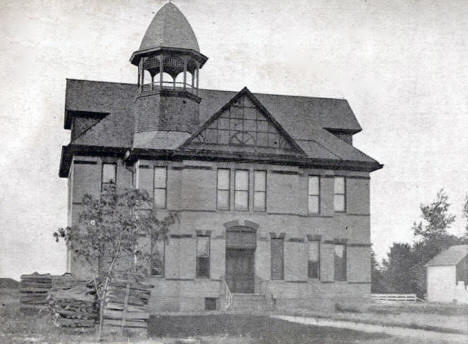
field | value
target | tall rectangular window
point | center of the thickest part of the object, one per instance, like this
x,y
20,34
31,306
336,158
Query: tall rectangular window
x,y
222,189
277,259
340,262
314,259
339,199
157,257
203,257
109,172
160,187
241,190
260,190
314,194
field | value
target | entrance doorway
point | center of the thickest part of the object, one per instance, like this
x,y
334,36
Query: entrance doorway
x,y
241,242
240,270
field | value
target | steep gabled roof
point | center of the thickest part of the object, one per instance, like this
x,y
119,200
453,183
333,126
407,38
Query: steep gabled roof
x,y
258,114
303,119
296,113
451,256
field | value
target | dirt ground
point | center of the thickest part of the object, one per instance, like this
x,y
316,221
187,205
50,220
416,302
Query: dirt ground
x,y
15,327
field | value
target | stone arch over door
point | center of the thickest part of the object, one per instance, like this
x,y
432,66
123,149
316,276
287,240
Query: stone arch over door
x,y
241,242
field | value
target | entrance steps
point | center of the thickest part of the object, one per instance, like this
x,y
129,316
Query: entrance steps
x,y
249,303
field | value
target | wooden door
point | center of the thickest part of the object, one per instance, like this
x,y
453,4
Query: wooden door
x,y
240,270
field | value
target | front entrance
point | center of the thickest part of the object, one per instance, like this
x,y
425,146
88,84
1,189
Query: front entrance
x,y
240,270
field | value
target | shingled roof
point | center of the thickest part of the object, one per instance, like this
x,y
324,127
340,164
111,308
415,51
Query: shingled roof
x,y
451,256
169,29
305,119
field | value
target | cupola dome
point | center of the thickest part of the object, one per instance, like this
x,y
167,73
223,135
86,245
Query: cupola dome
x,y
169,29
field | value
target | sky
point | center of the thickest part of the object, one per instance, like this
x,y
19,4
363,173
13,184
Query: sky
x,y
401,64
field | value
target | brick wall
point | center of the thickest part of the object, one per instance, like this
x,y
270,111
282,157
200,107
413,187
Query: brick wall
x,y
192,191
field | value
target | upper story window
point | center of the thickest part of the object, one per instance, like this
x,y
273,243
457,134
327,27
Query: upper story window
x,y
203,256
314,194
340,262
160,187
339,199
313,266
241,190
222,189
259,190
109,175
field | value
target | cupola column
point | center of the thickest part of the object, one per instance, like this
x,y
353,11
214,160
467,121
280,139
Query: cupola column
x,y
197,72
185,72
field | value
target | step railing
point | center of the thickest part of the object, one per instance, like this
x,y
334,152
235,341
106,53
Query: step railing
x,y
227,295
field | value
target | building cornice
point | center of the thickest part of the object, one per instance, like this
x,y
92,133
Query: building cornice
x,y
174,155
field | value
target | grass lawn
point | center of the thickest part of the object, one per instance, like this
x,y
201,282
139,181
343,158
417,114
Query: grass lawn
x,y
433,317
15,327
251,329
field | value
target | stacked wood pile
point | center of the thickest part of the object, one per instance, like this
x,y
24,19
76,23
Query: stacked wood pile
x,y
126,306
34,289
72,304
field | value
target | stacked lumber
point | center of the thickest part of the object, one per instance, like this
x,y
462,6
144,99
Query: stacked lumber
x,y
72,304
126,306
34,289
66,281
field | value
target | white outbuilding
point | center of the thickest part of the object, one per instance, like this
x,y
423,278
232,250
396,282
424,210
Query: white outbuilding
x,y
447,276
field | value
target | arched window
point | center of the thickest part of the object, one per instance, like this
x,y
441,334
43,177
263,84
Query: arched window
x,y
167,80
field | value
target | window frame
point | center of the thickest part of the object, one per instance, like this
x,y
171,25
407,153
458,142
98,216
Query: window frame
x,y
343,278
163,258
228,189
335,193
247,191
264,192
272,275
309,260
160,188
318,195
198,275
103,184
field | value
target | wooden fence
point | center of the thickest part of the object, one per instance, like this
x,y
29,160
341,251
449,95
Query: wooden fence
x,y
126,307
395,298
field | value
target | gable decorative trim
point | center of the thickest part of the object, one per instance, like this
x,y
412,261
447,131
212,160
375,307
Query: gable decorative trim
x,y
243,122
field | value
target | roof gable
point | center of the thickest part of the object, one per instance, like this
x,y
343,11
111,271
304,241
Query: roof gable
x,y
451,256
243,124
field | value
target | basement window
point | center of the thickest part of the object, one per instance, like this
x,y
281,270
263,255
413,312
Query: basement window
x,y
210,303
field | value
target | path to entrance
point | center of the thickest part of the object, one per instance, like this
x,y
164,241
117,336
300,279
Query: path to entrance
x,y
391,330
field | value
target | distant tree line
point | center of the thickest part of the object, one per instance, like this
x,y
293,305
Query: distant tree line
x,y
403,270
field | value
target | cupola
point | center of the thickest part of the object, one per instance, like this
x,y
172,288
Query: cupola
x,y
169,57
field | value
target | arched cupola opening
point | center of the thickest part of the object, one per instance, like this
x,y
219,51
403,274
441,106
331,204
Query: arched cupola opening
x,y
168,71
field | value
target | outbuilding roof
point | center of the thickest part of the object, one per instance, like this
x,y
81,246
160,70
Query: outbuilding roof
x,y
451,256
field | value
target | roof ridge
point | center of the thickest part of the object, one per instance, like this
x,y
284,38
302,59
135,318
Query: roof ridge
x,y
215,90
277,94
102,82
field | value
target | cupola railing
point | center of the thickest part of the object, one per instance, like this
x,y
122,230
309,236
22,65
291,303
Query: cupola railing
x,y
164,70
